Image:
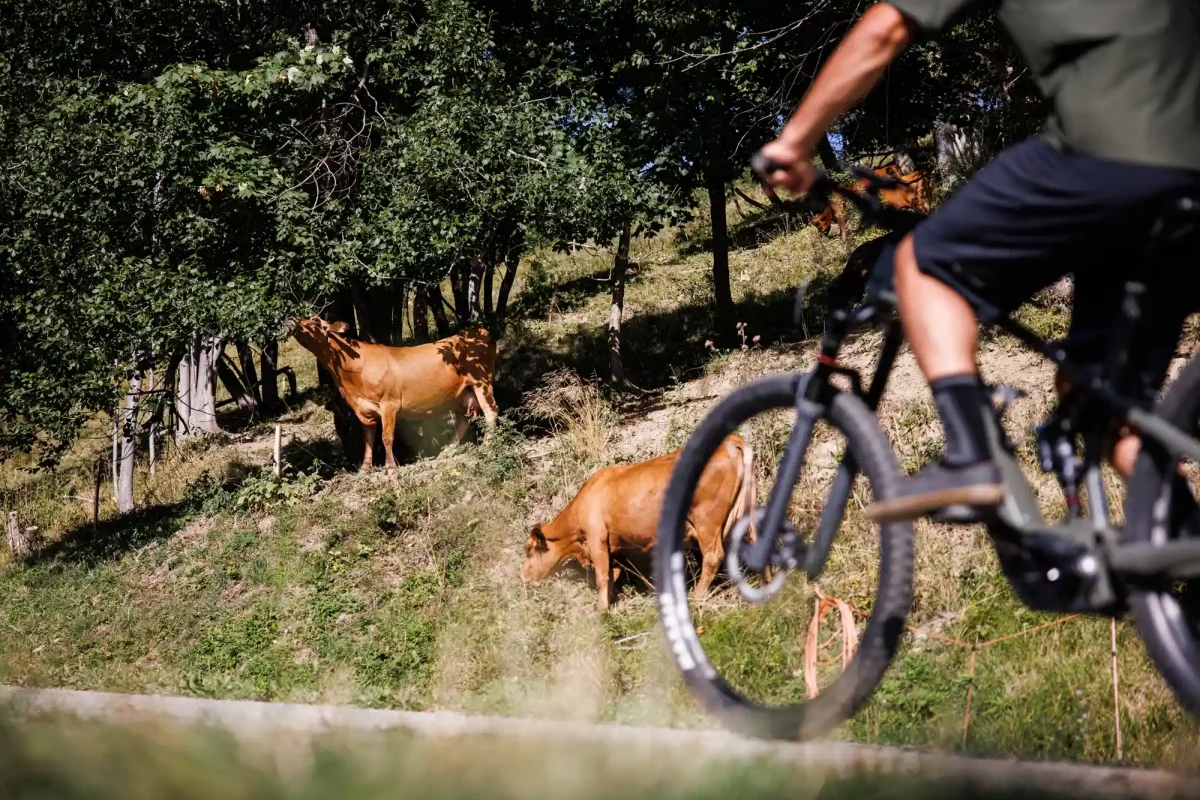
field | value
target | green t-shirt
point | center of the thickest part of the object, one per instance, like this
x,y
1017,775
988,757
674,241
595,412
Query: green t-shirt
x,y
1123,76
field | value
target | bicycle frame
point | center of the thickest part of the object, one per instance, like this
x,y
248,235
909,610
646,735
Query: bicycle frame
x,y
1077,565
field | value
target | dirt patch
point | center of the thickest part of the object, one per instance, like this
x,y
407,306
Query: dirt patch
x,y
197,530
313,539
232,593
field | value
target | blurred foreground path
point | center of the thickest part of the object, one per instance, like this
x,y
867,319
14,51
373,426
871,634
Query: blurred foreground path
x,y
843,759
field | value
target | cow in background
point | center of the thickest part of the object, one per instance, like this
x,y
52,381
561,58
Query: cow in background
x,y
382,383
912,194
618,507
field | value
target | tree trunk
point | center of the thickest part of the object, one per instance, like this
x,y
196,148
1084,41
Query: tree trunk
x,y
399,306
420,315
489,274
115,462
720,252
21,543
183,395
125,450
163,409
366,327
620,263
246,360
458,288
826,153
437,306
236,388
511,262
269,359
474,279
204,385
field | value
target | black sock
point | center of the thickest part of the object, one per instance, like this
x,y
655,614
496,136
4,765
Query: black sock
x,y
960,401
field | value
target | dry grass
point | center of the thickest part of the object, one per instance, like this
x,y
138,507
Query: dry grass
x,y
577,413
405,592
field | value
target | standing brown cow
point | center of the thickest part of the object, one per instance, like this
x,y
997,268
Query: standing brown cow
x,y
618,507
381,383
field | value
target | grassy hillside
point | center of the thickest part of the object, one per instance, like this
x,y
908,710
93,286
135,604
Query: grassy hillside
x,y
333,586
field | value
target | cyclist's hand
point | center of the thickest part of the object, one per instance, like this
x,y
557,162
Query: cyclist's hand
x,y
797,175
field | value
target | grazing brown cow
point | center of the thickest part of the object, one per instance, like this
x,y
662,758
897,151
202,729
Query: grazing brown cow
x,y
912,194
381,383
618,507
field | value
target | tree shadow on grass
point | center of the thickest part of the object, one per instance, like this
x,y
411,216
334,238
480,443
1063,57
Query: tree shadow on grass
x,y
659,350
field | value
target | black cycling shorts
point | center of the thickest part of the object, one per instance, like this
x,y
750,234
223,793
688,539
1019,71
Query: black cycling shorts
x,y
1036,213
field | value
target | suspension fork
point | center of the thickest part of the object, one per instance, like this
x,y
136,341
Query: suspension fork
x,y
839,495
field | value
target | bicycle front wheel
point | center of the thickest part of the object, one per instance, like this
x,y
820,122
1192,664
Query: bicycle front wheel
x,y
1167,614
725,664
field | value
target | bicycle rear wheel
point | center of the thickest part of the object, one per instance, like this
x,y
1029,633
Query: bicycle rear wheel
x,y
1167,614
787,714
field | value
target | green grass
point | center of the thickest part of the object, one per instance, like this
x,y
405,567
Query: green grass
x,y
330,586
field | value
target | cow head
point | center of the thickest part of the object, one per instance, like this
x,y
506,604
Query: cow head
x,y
542,555
313,333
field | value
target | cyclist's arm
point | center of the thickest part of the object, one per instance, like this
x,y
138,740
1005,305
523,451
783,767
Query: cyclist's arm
x,y
879,36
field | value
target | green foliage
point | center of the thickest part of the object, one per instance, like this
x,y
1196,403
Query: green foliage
x,y
502,453
396,515
265,489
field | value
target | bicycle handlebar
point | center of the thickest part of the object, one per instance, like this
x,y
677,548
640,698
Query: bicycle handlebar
x,y
869,204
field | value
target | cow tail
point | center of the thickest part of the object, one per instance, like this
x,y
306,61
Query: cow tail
x,y
742,502
749,489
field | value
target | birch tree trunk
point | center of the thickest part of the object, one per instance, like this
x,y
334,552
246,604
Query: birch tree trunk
x,y
183,394
22,543
128,429
474,279
204,384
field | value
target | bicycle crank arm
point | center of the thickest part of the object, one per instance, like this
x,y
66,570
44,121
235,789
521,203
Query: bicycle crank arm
x,y
831,517
1177,559
758,555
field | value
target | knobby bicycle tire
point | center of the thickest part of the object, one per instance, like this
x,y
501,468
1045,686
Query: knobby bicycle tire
x,y
1171,634
839,701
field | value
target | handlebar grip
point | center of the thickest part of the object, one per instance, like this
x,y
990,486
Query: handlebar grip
x,y
762,165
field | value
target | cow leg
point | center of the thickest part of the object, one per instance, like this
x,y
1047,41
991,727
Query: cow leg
x,y
461,425
369,439
712,553
600,563
388,419
491,411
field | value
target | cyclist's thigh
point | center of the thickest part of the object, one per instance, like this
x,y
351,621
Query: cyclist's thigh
x,y
1032,215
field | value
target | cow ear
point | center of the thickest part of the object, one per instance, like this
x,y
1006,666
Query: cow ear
x,y
538,538
338,327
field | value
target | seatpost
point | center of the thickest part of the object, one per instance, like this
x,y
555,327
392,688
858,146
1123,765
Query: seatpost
x,y
1122,335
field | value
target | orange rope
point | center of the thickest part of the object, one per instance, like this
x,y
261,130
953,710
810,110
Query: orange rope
x,y
812,641
812,646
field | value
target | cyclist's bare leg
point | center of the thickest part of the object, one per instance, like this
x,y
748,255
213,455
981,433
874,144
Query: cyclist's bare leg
x,y
943,332
939,323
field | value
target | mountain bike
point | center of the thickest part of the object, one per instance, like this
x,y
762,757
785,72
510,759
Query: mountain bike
x,y
1079,563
